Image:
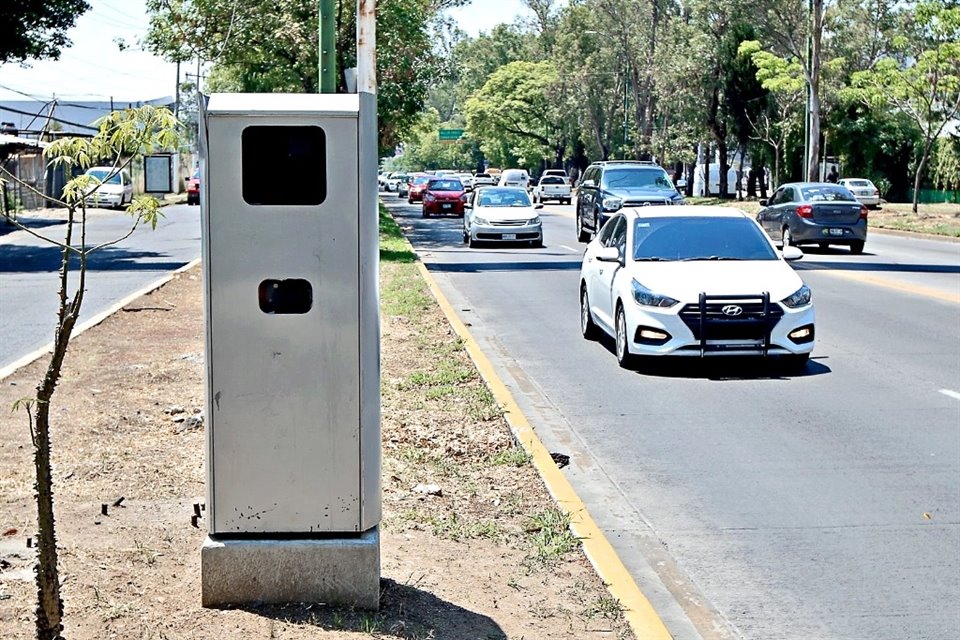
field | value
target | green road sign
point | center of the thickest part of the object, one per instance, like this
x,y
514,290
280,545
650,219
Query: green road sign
x,y
451,134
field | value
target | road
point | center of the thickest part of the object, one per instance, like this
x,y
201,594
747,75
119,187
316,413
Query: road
x,y
28,270
747,503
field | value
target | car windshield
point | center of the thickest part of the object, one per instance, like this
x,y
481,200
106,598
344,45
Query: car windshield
x,y
635,177
101,174
445,185
827,193
551,180
422,179
504,198
859,183
699,238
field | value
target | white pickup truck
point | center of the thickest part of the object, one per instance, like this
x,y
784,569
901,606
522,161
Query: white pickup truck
x,y
552,188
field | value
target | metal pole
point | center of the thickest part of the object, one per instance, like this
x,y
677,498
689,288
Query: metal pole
x,y
327,36
806,112
176,100
626,82
367,46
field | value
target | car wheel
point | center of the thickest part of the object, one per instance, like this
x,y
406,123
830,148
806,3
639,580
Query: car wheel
x,y
536,244
472,243
856,248
796,362
582,236
588,327
409,200
786,238
466,236
624,357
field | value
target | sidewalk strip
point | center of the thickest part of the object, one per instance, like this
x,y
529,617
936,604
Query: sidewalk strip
x,y
95,320
638,611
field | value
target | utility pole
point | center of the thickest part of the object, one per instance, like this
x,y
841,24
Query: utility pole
x,y
176,100
327,34
626,85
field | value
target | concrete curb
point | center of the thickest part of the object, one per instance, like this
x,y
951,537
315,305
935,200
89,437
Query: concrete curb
x,y
637,610
95,320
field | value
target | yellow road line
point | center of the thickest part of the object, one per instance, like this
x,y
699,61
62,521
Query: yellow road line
x,y
894,285
638,611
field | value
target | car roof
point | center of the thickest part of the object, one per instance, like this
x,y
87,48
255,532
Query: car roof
x,y
810,184
683,211
628,163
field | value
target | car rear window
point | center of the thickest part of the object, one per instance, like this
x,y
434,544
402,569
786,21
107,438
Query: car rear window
x,y
423,179
551,180
445,185
699,238
827,193
858,183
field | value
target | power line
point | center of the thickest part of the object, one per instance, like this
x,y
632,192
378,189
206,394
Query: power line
x,y
61,121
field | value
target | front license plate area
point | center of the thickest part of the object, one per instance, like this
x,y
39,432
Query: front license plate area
x,y
509,236
447,206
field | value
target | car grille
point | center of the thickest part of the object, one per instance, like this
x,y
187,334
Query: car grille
x,y
709,323
642,202
508,223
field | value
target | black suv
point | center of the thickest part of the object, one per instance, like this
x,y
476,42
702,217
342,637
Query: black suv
x,y
606,187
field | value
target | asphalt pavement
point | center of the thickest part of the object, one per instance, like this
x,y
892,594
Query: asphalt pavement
x,y
748,503
28,269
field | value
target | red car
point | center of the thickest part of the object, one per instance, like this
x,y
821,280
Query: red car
x,y
418,184
193,188
444,196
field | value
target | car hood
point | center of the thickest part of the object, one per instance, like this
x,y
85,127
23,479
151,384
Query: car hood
x,y
638,192
501,214
685,281
112,189
446,194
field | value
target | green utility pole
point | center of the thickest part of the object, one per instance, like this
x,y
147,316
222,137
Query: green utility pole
x,y
328,46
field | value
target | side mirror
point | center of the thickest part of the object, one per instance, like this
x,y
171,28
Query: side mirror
x,y
539,205
791,253
764,202
608,254
588,183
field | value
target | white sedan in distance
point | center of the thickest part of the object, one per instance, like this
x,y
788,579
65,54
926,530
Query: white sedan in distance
x,y
502,214
694,281
863,190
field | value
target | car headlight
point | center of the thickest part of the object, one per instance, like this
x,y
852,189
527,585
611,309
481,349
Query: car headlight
x,y
429,197
647,298
480,221
535,220
612,204
799,298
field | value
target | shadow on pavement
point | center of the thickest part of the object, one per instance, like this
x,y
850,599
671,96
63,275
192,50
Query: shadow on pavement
x,y
34,224
16,258
484,267
405,610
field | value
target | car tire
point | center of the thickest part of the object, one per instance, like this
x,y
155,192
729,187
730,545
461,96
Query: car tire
x,y
466,237
856,248
786,238
582,236
472,243
536,244
624,357
588,328
796,363
423,212
409,200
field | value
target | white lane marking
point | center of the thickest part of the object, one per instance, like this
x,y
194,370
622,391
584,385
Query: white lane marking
x,y
951,394
563,246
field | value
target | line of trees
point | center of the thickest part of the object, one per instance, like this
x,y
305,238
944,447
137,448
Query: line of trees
x,y
601,79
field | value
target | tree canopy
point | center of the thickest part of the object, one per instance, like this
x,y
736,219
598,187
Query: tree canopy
x,y
37,29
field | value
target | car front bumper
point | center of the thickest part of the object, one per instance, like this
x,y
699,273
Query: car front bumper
x,y
104,200
507,233
444,207
683,342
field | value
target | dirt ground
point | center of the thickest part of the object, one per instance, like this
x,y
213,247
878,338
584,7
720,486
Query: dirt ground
x,y
489,558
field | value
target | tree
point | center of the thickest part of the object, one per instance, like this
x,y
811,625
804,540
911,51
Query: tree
x,y
36,29
920,77
121,137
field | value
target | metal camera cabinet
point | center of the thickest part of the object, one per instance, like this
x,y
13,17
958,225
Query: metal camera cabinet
x,y
290,257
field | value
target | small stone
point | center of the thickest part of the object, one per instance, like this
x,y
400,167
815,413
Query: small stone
x,y
429,489
174,409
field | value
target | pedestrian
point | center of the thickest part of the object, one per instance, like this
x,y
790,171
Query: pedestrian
x,y
834,175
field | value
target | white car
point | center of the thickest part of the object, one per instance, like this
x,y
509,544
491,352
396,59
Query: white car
x,y
466,179
482,179
515,178
694,281
863,190
502,214
552,187
393,182
116,189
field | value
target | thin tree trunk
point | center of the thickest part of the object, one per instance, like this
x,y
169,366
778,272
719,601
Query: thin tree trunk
x,y
916,178
813,166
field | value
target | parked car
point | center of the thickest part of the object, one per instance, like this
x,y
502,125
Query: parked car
x,y
502,214
466,179
818,213
606,187
394,181
482,179
116,189
552,187
417,185
193,188
863,190
694,281
514,178
557,172
443,196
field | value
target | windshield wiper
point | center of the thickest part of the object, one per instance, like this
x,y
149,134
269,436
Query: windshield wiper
x,y
710,258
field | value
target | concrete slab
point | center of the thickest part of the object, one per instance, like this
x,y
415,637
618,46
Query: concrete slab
x,y
336,571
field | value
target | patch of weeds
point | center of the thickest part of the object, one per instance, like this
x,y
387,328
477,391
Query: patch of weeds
x,y
411,455
453,528
449,466
447,374
393,245
605,606
148,555
515,456
482,406
550,536
403,293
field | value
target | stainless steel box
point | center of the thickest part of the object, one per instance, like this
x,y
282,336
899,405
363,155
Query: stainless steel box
x,y
290,256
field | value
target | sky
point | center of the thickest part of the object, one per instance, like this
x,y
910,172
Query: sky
x,y
94,68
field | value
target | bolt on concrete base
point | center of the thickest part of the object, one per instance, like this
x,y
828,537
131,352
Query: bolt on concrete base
x,y
335,571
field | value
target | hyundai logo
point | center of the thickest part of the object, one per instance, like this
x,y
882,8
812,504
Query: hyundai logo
x,y
732,310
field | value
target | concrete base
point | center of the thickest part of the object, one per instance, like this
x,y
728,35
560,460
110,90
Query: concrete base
x,y
337,571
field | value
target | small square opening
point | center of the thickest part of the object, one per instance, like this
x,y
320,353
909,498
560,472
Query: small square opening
x,y
284,165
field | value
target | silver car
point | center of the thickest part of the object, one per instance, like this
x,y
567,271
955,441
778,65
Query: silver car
x,y
502,214
863,190
817,213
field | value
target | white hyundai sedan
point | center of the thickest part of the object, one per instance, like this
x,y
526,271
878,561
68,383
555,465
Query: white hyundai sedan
x,y
694,281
